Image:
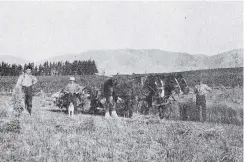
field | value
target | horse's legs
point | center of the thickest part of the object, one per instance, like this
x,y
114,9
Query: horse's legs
x,y
161,112
130,112
149,105
107,106
113,111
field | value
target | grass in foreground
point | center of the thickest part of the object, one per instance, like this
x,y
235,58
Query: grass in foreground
x,y
53,136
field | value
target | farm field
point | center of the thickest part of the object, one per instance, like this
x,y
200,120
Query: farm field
x,y
228,77
121,81
49,135
50,84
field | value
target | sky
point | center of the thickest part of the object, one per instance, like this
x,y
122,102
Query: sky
x,y
39,30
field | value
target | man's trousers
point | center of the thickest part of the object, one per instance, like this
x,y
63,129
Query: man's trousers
x,y
28,97
201,103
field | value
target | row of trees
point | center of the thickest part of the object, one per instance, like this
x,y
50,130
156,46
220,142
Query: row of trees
x,y
51,68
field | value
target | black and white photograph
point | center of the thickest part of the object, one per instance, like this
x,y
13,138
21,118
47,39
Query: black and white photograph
x,y
121,81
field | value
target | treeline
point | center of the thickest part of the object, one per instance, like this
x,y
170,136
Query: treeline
x,y
51,68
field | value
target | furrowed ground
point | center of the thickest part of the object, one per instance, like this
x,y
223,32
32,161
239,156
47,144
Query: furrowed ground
x,y
50,135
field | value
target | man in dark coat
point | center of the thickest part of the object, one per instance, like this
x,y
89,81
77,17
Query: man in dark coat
x,y
111,98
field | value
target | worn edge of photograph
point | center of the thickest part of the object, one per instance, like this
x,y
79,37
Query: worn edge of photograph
x,y
135,81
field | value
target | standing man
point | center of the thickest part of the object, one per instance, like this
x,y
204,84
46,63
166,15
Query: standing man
x,y
201,90
26,81
73,90
111,98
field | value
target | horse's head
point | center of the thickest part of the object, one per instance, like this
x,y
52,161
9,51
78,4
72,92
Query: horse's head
x,y
182,84
143,80
160,86
171,84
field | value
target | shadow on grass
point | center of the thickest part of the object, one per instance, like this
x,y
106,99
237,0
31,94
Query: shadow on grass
x,y
79,112
216,113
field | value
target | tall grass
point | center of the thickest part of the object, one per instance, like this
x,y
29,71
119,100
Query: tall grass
x,y
224,107
52,136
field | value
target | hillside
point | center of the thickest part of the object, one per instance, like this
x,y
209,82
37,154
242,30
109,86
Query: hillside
x,y
129,61
229,77
12,59
233,58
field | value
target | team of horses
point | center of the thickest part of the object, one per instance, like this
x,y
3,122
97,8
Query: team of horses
x,y
127,93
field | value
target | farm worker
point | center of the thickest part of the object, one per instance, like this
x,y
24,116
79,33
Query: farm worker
x,y
73,89
111,98
201,90
26,81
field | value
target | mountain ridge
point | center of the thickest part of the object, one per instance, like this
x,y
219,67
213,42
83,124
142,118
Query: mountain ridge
x,y
12,59
129,61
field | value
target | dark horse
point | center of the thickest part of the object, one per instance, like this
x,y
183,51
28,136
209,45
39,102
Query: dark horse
x,y
159,88
118,92
123,92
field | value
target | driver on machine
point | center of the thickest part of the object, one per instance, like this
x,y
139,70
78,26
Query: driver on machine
x,y
73,89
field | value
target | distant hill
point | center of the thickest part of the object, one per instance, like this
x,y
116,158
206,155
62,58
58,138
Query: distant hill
x,y
233,58
127,61
12,59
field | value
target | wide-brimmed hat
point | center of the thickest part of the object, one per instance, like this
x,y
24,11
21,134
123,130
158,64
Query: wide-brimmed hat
x,y
72,78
